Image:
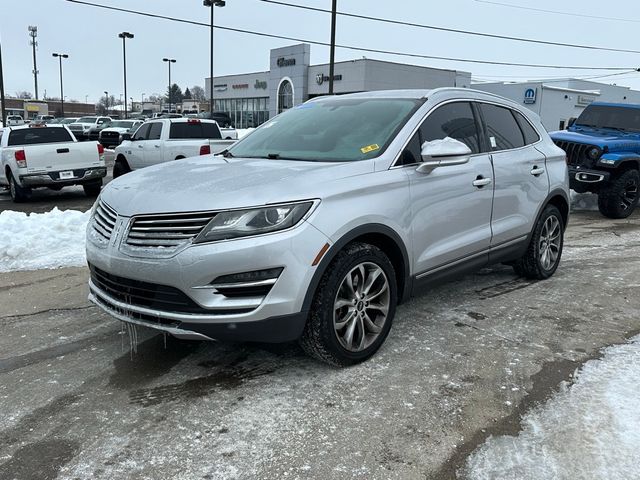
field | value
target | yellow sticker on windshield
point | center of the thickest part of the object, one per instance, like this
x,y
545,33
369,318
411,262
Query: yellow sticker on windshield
x,y
370,148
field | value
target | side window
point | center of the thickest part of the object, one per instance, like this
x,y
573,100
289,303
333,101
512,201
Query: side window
x,y
142,132
455,120
530,134
155,131
502,128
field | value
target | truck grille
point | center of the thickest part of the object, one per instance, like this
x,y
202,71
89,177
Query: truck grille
x,y
168,231
576,153
104,220
114,135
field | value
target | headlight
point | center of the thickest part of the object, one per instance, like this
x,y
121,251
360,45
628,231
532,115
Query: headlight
x,y
593,153
255,221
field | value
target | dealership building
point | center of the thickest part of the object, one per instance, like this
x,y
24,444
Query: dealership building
x,y
253,98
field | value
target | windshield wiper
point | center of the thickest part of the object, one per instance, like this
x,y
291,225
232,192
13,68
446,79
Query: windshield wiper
x,y
273,156
226,153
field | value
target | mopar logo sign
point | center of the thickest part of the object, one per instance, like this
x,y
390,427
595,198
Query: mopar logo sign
x,y
530,96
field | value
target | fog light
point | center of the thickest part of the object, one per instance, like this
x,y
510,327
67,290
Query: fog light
x,y
254,276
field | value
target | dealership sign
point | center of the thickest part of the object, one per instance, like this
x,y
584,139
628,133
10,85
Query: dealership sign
x,y
260,84
286,62
321,78
240,86
530,96
220,87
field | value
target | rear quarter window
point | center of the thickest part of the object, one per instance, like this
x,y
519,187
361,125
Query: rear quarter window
x,y
185,130
502,129
34,136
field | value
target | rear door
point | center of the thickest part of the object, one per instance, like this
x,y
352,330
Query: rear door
x,y
521,182
451,205
52,149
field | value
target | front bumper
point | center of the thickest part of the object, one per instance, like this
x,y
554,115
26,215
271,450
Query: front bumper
x,y
275,317
583,179
48,179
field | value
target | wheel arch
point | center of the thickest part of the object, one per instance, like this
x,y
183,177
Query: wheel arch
x,y
383,237
121,158
559,200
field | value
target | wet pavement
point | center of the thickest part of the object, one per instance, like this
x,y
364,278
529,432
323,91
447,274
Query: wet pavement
x,y
464,361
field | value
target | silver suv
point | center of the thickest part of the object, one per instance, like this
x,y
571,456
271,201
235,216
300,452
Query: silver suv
x,y
317,224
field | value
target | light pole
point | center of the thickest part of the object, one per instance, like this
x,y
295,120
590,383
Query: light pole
x,y
332,55
124,36
86,99
3,111
169,62
60,56
142,102
210,4
131,98
106,101
33,33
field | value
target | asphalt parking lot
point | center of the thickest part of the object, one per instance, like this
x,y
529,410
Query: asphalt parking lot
x,y
462,362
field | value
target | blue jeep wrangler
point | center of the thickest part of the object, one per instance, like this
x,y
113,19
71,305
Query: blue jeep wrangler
x,y
603,152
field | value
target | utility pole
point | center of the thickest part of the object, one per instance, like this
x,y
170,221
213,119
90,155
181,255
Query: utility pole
x,y
169,61
3,113
124,36
211,4
33,33
332,55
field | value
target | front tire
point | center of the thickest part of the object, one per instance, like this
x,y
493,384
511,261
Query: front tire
x,y
620,197
542,257
353,307
92,189
120,168
18,194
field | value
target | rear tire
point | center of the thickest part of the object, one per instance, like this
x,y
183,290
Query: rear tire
x,y
120,168
543,255
353,307
18,194
92,189
620,197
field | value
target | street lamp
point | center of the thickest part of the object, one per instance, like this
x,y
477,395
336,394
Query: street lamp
x,y
60,56
169,62
142,101
211,4
86,99
3,110
332,54
106,100
124,36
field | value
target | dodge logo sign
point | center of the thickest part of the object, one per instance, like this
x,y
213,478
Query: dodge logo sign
x,y
319,78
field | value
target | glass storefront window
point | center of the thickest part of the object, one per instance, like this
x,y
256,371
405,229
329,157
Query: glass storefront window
x,y
245,112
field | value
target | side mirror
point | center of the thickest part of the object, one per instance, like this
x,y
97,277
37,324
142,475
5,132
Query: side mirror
x,y
126,136
441,153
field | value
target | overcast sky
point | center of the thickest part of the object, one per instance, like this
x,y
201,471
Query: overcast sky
x,y
89,36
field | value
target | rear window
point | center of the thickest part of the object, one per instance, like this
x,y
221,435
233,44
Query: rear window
x,y
185,130
33,136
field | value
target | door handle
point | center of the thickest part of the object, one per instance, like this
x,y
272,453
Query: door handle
x,y
157,146
481,181
536,171
140,146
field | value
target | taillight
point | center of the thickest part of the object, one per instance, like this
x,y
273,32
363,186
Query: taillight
x,y
205,150
100,149
193,120
21,158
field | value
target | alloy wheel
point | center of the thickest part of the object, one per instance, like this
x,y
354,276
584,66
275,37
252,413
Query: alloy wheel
x,y
549,244
361,306
629,194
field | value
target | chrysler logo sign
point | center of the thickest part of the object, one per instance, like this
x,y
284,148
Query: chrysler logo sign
x,y
286,62
321,78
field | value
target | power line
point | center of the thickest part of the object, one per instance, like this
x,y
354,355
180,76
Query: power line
x,y
346,47
554,78
557,12
453,30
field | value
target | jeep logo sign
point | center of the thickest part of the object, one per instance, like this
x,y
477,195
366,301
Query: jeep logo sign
x,y
530,96
286,62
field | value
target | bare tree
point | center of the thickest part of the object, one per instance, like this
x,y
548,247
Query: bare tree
x,y
24,95
197,93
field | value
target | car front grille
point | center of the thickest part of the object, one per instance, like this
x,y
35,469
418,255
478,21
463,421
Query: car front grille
x,y
114,135
104,220
576,153
149,295
168,230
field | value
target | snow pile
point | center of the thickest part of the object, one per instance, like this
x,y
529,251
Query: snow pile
x,y
584,201
589,430
243,132
42,240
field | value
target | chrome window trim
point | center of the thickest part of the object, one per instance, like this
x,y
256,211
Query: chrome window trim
x,y
394,164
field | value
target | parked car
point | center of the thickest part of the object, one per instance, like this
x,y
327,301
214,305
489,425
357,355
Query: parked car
x,y
38,156
111,136
81,127
603,151
321,221
163,140
68,120
14,120
42,119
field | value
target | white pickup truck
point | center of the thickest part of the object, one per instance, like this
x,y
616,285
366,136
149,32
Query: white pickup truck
x,y
48,156
167,139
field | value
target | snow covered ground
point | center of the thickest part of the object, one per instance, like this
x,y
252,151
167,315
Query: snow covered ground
x,y
42,240
588,430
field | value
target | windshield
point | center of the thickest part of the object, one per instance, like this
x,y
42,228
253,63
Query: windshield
x,y
121,124
603,116
87,120
331,130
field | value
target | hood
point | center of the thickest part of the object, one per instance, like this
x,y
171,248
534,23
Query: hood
x,y
116,129
611,140
213,183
